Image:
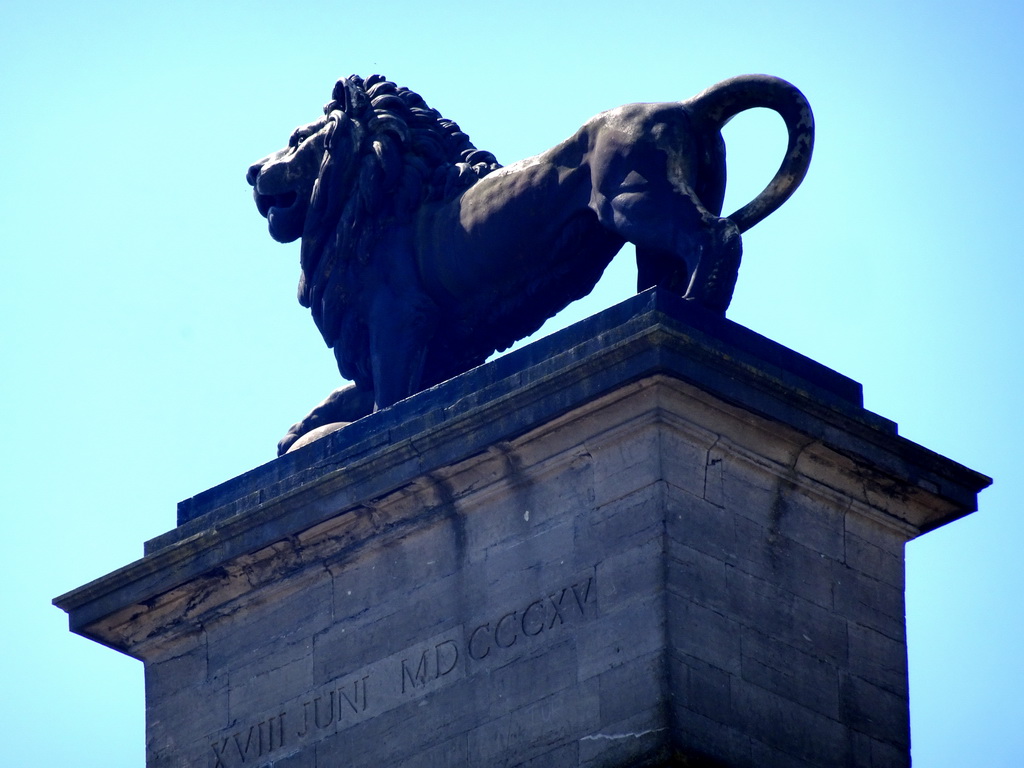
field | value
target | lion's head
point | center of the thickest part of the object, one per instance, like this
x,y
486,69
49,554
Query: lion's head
x,y
283,181
377,155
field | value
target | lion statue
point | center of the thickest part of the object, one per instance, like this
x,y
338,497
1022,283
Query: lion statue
x,y
421,255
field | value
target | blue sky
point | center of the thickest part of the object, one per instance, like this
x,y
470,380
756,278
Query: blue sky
x,y
152,346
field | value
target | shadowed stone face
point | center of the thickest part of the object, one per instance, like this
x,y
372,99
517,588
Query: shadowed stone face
x,y
653,535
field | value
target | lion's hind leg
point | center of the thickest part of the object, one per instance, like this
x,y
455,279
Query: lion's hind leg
x,y
657,267
718,264
681,246
667,223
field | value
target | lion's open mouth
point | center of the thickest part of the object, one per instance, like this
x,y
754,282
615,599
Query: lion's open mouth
x,y
283,201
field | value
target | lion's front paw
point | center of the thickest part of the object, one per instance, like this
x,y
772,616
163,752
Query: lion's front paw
x,y
288,441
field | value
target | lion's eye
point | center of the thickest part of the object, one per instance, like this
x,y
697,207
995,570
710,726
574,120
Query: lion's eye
x,y
297,138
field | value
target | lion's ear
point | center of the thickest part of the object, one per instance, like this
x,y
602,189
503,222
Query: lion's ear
x,y
340,88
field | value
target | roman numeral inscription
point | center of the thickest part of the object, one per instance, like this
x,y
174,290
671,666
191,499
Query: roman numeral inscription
x,y
431,665
520,626
405,676
250,744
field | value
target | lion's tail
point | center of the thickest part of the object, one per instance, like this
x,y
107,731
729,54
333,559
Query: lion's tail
x,y
720,103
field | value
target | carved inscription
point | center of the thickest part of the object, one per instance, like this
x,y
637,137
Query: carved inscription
x,y
250,744
432,665
299,722
521,625
404,676
319,713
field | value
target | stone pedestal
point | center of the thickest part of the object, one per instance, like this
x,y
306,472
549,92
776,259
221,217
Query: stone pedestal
x,y
654,538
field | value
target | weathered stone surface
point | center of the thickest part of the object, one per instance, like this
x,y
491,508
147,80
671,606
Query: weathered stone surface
x,y
644,543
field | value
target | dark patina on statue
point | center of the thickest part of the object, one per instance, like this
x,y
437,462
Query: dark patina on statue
x,y
421,255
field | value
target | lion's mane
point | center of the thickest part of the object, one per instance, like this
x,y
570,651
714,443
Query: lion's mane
x,y
386,154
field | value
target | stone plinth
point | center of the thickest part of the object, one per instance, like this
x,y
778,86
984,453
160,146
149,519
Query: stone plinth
x,y
654,538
